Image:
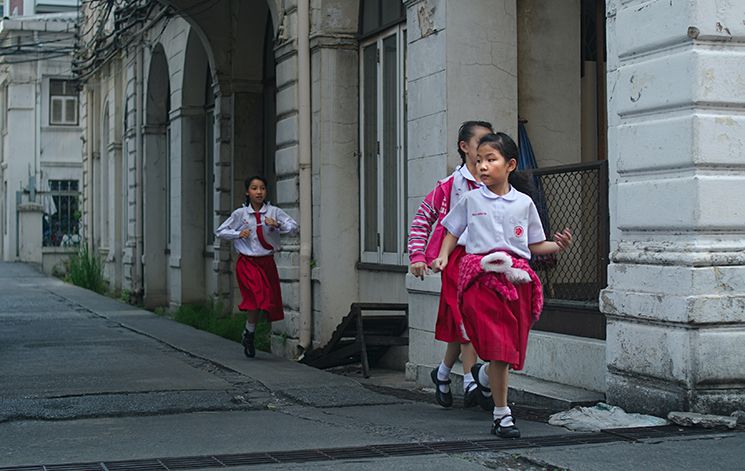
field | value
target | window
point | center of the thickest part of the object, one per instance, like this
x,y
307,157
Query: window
x,y
383,147
63,103
61,223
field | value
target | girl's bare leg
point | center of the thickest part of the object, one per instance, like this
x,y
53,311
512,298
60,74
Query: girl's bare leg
x,y
451,354
467,356
498,377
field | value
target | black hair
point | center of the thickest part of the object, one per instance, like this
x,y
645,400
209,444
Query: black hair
x,y
465,132
247,183
502,143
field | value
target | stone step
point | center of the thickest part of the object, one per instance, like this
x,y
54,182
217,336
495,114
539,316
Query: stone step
x,y
536,392
525,390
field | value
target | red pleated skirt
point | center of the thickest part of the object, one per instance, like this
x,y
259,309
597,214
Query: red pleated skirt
x,y
449,327
258,281
498,328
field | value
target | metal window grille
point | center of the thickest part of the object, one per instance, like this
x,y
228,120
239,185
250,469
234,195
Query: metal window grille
x,y
574,196
63,227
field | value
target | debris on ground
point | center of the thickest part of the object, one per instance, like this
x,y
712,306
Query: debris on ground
x,y
740,416
692,419
602,416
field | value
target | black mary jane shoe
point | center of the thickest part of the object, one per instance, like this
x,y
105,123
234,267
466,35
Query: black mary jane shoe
x,y
471,397
444,399
248,344
505,432
486,402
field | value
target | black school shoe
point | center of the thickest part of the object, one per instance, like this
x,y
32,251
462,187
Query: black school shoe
x,y
248,344
486,402
471,397
444,399
505,432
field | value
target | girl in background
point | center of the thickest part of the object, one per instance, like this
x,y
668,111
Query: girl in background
x,y
423,249
254,229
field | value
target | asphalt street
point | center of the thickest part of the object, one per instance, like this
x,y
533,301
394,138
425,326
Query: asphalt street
x,y
89,380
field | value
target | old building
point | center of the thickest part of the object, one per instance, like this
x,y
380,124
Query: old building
x,y
41,151
351,107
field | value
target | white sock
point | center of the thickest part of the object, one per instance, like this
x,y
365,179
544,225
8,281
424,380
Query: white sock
x,y
443,374
250,327
484,378
468,382
500,412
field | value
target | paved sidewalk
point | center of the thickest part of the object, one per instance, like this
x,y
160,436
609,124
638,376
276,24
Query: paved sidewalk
x,y
88,379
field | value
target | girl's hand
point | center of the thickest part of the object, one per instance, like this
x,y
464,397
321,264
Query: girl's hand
x,y
563,239
271,222
418,269
244,233
439,264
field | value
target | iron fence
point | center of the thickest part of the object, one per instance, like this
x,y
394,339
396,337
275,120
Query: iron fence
x,y
574,196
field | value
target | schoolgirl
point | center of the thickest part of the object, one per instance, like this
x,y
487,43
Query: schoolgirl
x,y
423,250
254,229
499,295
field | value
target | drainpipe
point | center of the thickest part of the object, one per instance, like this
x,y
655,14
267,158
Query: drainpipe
x,y
304,164
138,282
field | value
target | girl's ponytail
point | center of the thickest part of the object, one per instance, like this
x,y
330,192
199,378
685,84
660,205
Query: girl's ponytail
x,y
522,182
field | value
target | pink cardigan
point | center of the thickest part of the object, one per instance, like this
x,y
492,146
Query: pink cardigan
x,y
434,208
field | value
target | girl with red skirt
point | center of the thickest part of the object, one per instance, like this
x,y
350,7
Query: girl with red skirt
x,y
423,249
254,229
499,295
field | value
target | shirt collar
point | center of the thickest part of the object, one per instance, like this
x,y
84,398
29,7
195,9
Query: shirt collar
x,y
463,169
510,196
251,208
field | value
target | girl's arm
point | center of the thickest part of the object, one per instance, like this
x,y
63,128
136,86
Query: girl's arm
x,y
562,241
230,229
421,226
448,245
284,223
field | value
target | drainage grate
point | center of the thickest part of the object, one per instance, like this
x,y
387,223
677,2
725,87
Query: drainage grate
x,y
373,451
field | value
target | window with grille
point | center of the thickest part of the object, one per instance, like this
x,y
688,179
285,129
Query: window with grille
x,y
383,147
62,215
63,103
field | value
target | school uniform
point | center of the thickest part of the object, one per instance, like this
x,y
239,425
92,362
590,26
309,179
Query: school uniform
x,y
497,313
436,205
256,271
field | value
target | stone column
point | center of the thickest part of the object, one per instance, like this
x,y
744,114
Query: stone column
x,y
462,65
30,232
223,158
335,126
675,300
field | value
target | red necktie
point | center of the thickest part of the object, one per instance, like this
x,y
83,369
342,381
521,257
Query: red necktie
x,y
260,232
472,185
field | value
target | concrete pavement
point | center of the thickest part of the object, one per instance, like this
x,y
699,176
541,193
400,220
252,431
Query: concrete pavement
x,y
88,379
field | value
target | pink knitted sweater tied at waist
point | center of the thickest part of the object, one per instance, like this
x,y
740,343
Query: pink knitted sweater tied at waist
x,y
500,271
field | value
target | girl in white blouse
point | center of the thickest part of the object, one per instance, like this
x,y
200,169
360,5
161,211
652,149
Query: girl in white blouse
x,y
254,229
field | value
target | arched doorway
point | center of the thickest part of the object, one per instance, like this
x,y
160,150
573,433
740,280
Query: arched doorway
x,y
156,182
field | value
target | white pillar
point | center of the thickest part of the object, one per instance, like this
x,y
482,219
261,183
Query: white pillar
x,y
675,300
30,232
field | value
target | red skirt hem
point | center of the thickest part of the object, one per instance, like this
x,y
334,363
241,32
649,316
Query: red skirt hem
x,y
258,281
449,327
498,328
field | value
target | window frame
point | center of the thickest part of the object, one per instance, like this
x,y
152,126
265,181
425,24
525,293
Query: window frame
x,y
57,194
381,256
64,99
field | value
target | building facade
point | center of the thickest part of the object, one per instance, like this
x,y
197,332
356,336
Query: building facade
x,y
41,151
351,109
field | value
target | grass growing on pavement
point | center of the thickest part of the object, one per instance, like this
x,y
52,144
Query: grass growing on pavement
x,y
211,318
85,269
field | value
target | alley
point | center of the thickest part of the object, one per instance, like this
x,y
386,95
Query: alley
x,y
88,379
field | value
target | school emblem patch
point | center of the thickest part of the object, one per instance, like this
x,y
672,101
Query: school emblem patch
x,y
518,231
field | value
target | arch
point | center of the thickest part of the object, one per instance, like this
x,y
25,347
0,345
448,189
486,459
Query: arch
x,y
156,171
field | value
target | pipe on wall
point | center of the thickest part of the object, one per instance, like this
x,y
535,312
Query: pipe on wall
x,y
304,177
